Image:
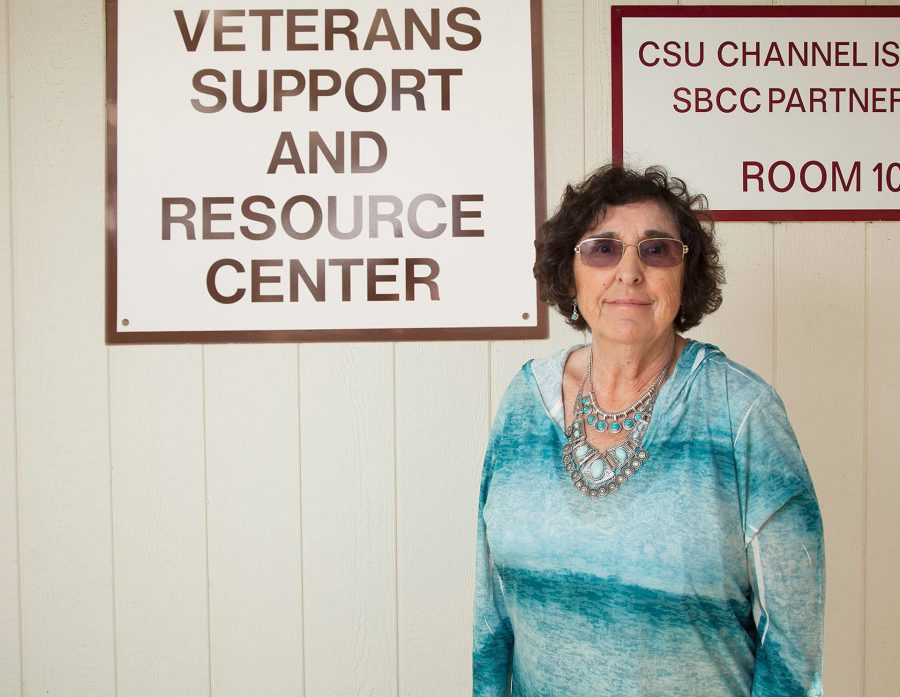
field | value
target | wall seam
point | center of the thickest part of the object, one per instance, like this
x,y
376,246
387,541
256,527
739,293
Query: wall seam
x,y
584,145
772,234
396,523
112,528
206,522
865,417
300,525
112,517
490,392
12,336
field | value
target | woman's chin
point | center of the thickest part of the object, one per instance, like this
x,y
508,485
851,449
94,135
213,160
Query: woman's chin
x,y
628,331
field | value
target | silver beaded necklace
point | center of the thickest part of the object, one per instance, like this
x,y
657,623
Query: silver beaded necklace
x,y
597,473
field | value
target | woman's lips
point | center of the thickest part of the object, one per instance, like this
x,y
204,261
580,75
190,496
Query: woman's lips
x,y
627,302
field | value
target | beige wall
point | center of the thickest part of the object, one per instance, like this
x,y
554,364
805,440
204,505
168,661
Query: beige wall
x,y
298,520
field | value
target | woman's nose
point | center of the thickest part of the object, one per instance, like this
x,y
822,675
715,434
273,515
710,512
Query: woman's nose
x,y
630,269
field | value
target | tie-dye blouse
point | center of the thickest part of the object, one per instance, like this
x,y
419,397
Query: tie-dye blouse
x,y
703,576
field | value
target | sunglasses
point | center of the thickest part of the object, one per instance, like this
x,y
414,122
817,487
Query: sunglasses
x,y
603,252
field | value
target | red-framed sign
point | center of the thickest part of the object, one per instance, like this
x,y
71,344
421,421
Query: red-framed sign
x,y
775,113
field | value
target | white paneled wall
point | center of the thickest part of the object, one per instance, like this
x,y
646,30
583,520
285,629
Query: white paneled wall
x,y
349,522
820,373
299,520
9,545
159,520
62,410
253,548
880,610
442,416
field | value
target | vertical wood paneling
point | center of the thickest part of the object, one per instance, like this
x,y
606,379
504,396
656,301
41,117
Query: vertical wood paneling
x,y
159,526
596,87
57,119
253,489
564,125
743,326
10,666
598,79
564,66
882,638
819,371
348,511
441,429
119,589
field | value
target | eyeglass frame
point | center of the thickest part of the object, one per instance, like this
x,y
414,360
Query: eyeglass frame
x,y
684,250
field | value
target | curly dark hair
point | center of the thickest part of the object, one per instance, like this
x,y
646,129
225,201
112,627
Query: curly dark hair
x,y
584,205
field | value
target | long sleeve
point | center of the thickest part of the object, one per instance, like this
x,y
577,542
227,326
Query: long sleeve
x,y
785,553
492,633
787,564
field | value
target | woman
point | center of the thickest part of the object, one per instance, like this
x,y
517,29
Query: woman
x,y
647,525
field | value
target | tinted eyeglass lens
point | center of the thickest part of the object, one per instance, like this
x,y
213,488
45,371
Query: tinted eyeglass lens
x,y
661,252
601,252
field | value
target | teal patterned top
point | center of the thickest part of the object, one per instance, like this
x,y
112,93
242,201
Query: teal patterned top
x,y
702,576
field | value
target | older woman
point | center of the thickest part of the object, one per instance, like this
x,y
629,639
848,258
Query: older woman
x,y
647,525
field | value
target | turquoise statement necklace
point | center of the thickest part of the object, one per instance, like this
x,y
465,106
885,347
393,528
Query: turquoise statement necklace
x,y
597,473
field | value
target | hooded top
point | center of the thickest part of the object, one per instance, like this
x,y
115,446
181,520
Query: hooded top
x,y
702,576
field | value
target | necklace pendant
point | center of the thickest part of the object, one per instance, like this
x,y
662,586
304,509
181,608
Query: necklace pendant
x,y
599,473
599,470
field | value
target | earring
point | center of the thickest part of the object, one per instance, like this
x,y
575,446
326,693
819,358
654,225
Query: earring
x,y
574,316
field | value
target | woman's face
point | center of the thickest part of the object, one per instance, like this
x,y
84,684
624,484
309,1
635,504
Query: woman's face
x,y
630,303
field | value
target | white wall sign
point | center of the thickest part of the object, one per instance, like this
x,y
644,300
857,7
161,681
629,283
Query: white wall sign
x,y
775,113
329,171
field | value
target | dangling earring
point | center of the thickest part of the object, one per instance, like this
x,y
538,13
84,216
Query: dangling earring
x,y
574,316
